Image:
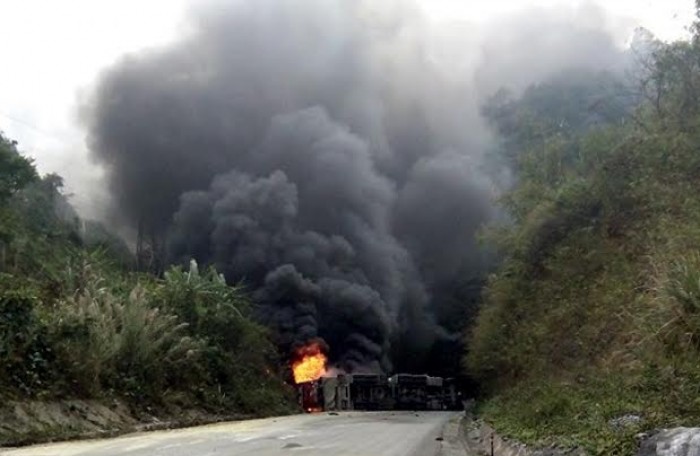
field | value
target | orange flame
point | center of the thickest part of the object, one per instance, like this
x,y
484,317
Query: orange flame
x,y
310,364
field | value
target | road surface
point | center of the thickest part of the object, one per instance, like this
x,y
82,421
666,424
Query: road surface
x,y
344,434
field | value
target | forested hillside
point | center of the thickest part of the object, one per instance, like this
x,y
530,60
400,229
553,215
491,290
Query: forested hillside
x,y
76,322
594,313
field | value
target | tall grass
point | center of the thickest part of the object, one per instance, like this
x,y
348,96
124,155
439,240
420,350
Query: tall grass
x,y
682,287
122,342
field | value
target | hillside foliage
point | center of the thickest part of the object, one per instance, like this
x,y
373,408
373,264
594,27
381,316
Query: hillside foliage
x,y
595,312
77,322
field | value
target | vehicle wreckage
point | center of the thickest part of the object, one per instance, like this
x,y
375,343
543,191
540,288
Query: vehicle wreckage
x,y
378,392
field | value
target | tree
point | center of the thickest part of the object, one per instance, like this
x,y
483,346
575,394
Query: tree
x,y
16,171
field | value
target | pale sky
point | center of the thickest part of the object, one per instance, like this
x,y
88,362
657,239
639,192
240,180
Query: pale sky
x,y
52,50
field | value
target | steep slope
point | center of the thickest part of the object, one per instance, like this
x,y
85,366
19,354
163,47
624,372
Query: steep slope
x,y
78,325
595,312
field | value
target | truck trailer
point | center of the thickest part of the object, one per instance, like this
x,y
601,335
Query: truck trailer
x,y
378,392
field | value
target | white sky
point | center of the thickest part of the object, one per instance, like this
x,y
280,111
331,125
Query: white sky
x,y
51,50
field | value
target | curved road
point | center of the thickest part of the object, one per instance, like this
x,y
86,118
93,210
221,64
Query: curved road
x,y
343,434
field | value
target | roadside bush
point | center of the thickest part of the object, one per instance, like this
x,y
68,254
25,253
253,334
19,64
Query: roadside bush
x,y
240,354
23,352
123,343
206,303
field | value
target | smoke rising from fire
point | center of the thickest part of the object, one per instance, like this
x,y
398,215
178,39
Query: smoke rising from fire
x,y
329,153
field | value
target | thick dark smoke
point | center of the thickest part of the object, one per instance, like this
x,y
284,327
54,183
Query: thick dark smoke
x,y
318,151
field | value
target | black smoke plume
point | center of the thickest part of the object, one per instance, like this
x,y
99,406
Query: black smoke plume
x,y
319,151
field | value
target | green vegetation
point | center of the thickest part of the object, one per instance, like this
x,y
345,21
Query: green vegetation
x,y
76,322
595,312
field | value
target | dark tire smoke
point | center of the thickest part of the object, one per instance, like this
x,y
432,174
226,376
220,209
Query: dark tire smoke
x,y
316,151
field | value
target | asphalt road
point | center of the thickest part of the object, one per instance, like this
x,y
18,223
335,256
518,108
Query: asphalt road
x,y
345,434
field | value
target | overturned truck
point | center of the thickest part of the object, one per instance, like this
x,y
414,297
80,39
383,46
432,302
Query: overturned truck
x,y
379,392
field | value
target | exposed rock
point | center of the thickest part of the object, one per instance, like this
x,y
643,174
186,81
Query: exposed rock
x,y
624,422
672,442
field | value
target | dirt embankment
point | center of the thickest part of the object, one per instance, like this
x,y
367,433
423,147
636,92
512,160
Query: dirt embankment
x,y
480,439
28,422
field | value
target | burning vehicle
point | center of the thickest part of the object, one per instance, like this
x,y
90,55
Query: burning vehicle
x,y
322,390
